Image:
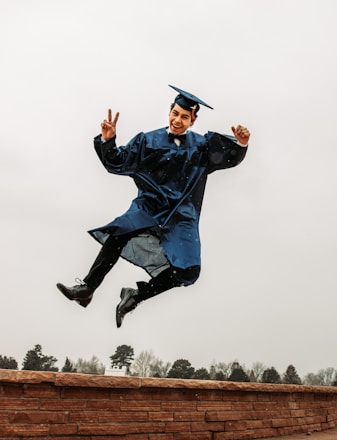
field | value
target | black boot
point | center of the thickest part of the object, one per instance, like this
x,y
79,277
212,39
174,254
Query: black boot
x,y
129,301
130,298
81,293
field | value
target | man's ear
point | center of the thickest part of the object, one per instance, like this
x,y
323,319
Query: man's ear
x,y
193,119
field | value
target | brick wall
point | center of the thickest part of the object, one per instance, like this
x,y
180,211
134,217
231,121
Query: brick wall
x,y
67,406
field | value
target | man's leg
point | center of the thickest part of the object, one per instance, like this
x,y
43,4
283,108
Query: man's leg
x,y
166,280
104,262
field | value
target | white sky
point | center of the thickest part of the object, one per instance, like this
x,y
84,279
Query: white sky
x,y
268,286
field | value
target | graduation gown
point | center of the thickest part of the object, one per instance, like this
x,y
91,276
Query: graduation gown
x,y
171,182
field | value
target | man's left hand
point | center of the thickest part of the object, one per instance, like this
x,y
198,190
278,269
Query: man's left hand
x,y
242,134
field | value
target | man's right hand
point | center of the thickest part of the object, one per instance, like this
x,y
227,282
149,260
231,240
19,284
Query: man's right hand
x,y
109,126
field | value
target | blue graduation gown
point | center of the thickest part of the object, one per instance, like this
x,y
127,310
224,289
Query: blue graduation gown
x,y
171,182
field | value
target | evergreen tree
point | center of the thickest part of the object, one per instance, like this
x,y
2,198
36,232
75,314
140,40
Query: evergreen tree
x,y
35,360
270,375
123,357
68,366
182,369
238,374
220,375
201,374
8,363
291,376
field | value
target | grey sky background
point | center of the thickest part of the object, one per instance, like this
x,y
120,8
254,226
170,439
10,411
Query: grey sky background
x,y
267,291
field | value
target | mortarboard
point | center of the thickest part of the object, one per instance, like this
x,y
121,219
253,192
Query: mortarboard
x,y
188,101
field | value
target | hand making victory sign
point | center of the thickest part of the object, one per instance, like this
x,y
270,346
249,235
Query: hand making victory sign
x,y
109,126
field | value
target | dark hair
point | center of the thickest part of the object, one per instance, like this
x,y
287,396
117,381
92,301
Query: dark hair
x,y
174,103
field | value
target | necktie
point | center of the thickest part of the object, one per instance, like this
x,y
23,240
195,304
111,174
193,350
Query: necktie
x,y
172,136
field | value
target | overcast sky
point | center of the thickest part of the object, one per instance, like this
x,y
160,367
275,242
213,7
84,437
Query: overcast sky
x,y
268,286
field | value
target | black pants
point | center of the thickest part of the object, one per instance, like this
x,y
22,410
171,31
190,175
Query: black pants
x,y
108,257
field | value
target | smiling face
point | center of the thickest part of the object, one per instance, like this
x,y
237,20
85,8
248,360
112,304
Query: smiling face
x,y
179,119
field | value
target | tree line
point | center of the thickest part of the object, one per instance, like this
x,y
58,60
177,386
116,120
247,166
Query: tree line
x,y
146,364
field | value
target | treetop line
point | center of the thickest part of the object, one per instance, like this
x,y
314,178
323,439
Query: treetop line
x,y
146,364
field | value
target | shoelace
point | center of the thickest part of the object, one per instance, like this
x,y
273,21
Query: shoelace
x,y
80,282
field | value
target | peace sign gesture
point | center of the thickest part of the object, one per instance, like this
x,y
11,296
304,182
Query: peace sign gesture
x,y
109,126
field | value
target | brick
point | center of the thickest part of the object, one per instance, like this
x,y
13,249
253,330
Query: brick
x,y
164,416
238,396
189,416
18,404
38,417
63,405
108,405
3,417
178,406
230,415
242,406
83,416
214,406
177,426
11,390
130,394
132,405
223,436
258,424
41,391
278,423
23,430
193,436
235,426
177,395
62,430
208,395
168,436
123,416
99,429
207,426
299,413
85,393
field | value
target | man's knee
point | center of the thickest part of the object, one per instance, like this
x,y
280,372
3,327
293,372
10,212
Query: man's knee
x,y
187,276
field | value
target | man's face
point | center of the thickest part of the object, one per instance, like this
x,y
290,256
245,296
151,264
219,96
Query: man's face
x,y
179,119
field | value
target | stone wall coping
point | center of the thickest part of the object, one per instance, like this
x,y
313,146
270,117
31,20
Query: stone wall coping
x,y
134,382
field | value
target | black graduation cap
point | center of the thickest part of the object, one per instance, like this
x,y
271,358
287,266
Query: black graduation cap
x,y
188,101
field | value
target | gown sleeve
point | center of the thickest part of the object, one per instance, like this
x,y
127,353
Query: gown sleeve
x,y
223,152
123,160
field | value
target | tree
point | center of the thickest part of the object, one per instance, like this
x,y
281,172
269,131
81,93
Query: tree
x,y
8,363
68,367
257,370
238,374
327,376
123,357
312,380
182,369
147,365
270,375
291,376
158,368
201,374
142,364
219,375
35,360
92,366
220,370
